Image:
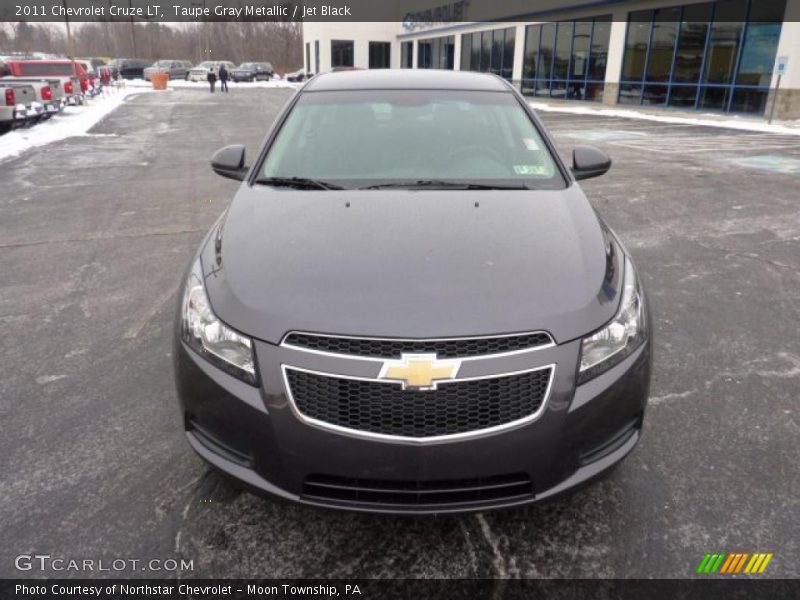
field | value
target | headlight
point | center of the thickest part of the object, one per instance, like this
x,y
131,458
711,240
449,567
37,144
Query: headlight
x,y
626,331
210,337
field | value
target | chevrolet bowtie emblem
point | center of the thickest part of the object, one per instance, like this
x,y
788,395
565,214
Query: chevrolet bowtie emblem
x,y
419,371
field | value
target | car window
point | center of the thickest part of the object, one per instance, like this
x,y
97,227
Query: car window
x,y
366,137
46,69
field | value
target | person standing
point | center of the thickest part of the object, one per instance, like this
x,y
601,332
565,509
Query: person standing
x,y
212,78
223,79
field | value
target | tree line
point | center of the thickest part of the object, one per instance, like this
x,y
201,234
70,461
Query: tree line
x,y
280,43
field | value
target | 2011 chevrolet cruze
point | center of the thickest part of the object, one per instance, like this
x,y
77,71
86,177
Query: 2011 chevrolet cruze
x,y
410,306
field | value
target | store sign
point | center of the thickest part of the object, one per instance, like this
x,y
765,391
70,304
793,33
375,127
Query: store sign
x,y
446,13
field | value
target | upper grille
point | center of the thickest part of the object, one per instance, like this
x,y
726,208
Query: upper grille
x,y
386,409
443,348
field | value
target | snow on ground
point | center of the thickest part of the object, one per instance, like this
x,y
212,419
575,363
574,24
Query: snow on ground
x,y
72,121
702,119
203,85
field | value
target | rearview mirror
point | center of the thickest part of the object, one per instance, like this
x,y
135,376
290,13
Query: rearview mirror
x,y
589,162
229,162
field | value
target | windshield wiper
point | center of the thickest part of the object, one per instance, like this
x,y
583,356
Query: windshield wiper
x,y
300,183
434,183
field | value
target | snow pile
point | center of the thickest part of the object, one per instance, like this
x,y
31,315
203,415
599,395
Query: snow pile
x,y
72,121
702,119
203,85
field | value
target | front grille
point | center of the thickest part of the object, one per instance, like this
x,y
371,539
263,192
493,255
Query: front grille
x,y
386,409
443,348
418,494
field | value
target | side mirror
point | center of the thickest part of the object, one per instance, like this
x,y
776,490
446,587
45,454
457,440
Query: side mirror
x,y
229,162
589,162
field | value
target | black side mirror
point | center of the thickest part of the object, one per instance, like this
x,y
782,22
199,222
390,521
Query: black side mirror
x,y
589,162
229,162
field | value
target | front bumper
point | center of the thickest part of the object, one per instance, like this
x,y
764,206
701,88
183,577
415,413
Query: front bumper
x,y
253,435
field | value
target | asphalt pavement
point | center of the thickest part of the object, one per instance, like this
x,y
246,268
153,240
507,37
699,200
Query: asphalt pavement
x,y
96,231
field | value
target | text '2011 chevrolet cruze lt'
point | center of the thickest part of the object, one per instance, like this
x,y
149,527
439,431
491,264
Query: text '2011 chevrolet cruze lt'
x,y
410,306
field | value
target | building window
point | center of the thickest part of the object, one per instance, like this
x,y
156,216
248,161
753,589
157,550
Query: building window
x,y
437,53
466,51
489,51
308,57
507,63
711,56
566,59
316,56
341,53
379,55
407,55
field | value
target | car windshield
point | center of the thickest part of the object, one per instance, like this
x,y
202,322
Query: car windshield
x,y
206,65
411,138
34,68
163,63
247,66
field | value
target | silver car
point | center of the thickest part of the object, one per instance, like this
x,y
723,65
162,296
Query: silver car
x,y
200,72
177,69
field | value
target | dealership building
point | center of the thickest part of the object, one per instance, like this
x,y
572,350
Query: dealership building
x,y
722,56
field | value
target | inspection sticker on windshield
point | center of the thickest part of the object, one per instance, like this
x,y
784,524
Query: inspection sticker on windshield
x,y
536,170
530,143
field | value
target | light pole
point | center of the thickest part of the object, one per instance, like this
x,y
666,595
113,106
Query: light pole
x,y
133,29
70,47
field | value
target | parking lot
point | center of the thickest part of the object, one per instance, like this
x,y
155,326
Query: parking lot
x,y
97,230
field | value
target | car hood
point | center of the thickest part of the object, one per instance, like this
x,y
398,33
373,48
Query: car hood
x,y
411,263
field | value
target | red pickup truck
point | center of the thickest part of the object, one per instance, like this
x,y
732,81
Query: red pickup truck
x,y
82,82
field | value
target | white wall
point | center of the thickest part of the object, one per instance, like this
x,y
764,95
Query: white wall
x,y
360,33
789,45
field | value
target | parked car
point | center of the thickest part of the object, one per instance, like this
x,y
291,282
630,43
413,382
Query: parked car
x,y
16,104
299,75
49,91
200,72
95,62
94,78
128,68
46,105
253,71
73,76
177,69
443,323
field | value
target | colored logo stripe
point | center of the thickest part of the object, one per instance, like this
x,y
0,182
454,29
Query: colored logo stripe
x,y
723,563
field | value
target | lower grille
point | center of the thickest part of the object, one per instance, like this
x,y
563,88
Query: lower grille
x,y
419,494
385,409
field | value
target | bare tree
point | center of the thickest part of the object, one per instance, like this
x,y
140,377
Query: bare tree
x,y
274,41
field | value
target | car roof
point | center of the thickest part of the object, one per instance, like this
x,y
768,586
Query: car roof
x,y
399,79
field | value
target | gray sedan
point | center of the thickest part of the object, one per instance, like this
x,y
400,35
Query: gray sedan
x,y
411,306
